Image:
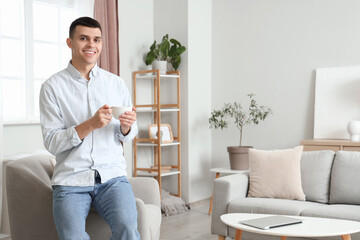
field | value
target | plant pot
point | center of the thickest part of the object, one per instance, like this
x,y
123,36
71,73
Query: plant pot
x,y
239,157
161,65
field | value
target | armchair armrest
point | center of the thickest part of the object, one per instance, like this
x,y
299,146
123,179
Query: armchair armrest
x,y
146,189
225,190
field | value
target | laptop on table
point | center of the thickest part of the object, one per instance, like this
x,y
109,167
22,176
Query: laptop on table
x,y
266,223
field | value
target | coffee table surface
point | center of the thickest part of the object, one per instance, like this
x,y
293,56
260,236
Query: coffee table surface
x,y
310,227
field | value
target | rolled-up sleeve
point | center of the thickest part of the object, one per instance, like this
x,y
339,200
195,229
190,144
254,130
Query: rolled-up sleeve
x,y
57,138
130,136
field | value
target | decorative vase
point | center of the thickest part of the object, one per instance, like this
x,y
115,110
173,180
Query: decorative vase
x,y
353,128
161,65
239,157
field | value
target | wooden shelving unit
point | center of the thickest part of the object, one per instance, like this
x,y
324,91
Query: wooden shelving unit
x,y
156,108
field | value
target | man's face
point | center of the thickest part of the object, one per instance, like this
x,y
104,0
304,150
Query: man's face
x,y
86,45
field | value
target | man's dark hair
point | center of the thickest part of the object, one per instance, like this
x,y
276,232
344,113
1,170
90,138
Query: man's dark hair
x,y
83,21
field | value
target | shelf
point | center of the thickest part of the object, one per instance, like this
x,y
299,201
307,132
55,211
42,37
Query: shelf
x,y
149,144
154,174
145,110
156,108
155,76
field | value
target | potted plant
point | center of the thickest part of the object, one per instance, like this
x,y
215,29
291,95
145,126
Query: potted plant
x,y
164,52
253,115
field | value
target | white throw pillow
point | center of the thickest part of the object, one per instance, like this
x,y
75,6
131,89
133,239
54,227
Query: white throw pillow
x,y
276,174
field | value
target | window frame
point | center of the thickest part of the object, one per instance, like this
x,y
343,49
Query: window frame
x,y
28,43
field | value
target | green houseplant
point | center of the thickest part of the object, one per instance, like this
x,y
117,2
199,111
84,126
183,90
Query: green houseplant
x,y
241,117
167,50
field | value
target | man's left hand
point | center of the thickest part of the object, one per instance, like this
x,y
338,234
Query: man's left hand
x,y
127,120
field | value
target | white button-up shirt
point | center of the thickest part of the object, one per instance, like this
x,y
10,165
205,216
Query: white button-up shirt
x,y
67,100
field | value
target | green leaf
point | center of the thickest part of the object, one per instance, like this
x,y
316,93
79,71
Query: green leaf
x,y
152,47
174,41
150,58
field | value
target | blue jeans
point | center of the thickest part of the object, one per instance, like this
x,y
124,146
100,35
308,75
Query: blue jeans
x,y
113,200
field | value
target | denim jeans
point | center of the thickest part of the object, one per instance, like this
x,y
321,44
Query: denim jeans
x,y
113,200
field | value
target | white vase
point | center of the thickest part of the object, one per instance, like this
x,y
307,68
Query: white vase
x,y
353,128
161,65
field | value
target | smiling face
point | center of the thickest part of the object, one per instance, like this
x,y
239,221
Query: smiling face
x,y
86,46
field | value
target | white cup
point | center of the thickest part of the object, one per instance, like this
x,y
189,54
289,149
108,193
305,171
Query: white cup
x,y
118,110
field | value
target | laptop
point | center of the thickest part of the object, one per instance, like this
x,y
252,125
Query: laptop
x,y
266,223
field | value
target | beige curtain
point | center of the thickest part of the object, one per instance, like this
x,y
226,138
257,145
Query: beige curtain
x,y
106,13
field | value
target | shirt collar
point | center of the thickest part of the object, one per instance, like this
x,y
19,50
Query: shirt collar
x,y
77,75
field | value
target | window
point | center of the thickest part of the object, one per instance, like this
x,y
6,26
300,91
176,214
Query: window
x,y
33,47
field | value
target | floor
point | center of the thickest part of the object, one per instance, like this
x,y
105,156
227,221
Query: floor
x,y
194,224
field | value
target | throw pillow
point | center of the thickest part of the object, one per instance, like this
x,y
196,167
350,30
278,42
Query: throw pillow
x,y
276,173
345,178
315,174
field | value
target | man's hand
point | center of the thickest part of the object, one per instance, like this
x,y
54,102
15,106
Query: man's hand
x,y
127,120
102,117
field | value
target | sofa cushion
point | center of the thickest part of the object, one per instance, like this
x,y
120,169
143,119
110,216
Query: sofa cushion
x,y
270,206
345,178
276,173
340,211
315,175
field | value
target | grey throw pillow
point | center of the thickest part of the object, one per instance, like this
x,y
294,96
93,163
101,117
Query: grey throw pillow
x,y
315,175
345,178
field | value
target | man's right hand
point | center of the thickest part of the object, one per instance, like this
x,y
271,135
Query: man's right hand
x,y
102,117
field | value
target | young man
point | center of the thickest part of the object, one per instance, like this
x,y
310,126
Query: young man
x,y
79,129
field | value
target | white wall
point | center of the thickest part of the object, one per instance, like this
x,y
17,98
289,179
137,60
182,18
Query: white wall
x,y
25,138
199,99
190,23
271,48
135,37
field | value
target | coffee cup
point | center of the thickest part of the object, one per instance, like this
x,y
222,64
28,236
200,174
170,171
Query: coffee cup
x,y
117,111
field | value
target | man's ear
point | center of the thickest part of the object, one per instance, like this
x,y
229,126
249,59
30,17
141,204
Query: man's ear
x,y
68,42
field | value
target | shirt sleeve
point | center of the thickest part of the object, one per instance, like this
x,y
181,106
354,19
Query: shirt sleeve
x,y
57,138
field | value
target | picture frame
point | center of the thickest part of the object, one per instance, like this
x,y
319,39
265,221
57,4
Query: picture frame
x,y
167,136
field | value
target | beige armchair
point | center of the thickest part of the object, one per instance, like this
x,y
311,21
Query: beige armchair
x,y
29,197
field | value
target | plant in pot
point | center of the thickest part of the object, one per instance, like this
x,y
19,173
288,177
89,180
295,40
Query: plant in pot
x,y
164,52
239,158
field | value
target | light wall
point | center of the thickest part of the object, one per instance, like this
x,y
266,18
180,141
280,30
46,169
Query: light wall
x,y
271,48
182,20
136,35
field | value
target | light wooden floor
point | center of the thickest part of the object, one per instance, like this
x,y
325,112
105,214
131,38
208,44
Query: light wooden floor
x,y
193,224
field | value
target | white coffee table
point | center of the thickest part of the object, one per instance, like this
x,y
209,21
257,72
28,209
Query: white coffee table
x,y
310,227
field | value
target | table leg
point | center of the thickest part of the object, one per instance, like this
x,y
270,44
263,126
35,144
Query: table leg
x,y
211,201
283,237
238,234
346,237
221,238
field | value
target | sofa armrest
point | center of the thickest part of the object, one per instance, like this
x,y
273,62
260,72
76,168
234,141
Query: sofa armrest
x,y
146,189
225,190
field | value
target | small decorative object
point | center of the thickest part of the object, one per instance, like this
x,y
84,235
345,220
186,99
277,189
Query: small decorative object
x,y
165,52
239,158
166,135
353,128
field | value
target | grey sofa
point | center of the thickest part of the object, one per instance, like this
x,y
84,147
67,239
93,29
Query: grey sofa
x,y
331,183
29,198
